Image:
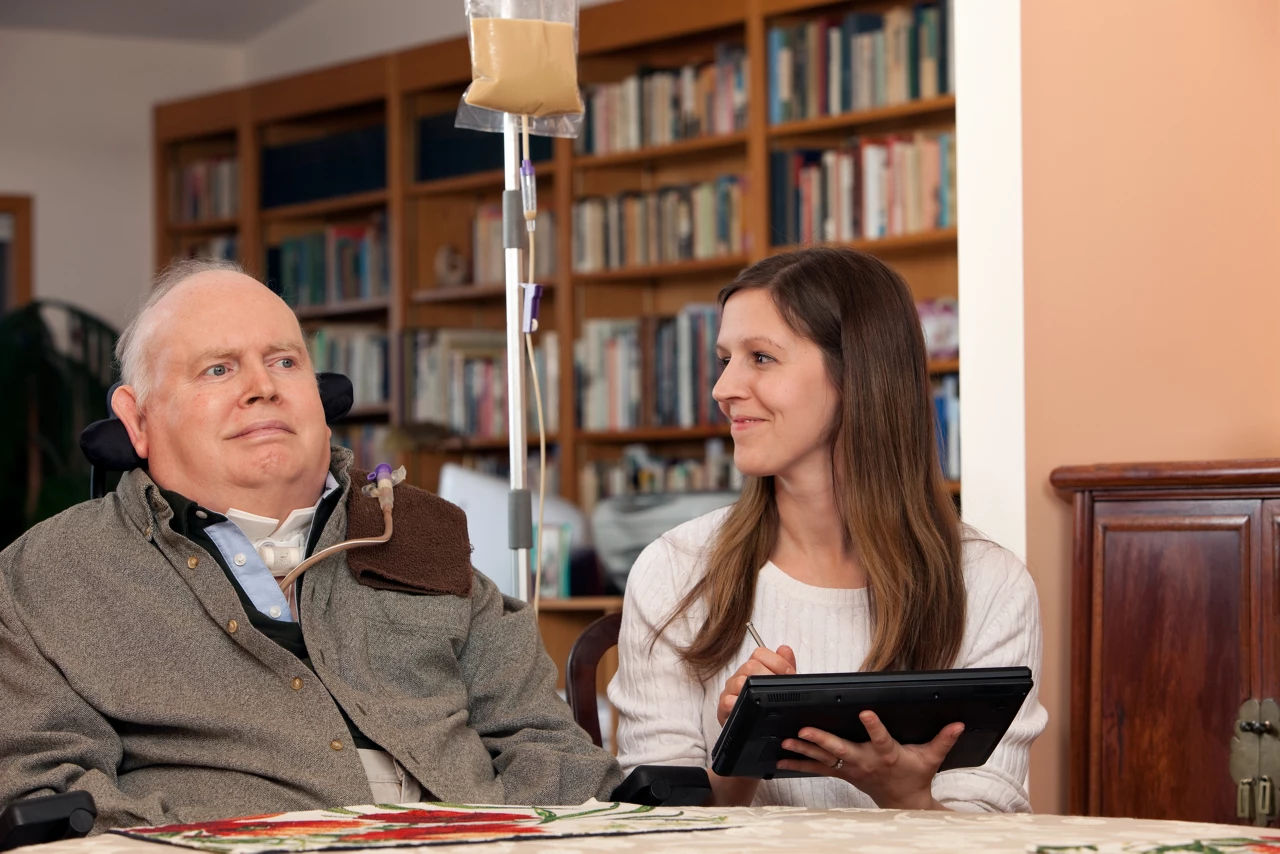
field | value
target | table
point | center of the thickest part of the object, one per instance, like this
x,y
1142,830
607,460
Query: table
x,y
801,829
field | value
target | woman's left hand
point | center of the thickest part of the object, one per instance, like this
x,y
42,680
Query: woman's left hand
x,y
895,776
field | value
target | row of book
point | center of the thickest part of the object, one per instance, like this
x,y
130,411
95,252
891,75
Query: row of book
x,y
498,465
614,393
457,378
204,189
946,404
859,61
336,264
335,164
371,443
223,247
359,351
868,188
678,223
488,262
639,471
662,105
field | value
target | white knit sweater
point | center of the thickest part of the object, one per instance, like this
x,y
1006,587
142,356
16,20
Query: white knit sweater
x,y
666,717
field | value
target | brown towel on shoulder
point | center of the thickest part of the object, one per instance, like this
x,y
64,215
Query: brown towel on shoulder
x,y
429,551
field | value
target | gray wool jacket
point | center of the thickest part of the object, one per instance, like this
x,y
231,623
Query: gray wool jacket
x,y
129,669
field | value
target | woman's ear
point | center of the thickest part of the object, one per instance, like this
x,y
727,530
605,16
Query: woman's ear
x,y
125,405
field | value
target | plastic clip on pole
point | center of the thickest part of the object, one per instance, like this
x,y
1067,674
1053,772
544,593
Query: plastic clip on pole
x,y
528,193
532,302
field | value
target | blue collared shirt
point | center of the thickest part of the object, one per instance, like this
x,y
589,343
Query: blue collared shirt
x,y
250,571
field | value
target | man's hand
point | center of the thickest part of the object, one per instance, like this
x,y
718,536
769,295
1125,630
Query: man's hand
x,y
896,776
763,662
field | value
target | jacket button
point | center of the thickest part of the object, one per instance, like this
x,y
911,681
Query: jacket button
x,y
192,562
335,744
232,625
296,684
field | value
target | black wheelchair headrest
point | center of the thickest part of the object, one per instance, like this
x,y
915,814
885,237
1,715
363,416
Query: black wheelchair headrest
x,y
106,443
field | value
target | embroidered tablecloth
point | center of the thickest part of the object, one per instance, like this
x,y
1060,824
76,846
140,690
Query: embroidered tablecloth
x,y
753,829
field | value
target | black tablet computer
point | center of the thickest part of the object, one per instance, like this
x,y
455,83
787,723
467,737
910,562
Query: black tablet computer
x,y
913,705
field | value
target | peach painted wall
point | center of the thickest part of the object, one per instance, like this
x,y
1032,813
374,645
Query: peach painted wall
x,y
1151,138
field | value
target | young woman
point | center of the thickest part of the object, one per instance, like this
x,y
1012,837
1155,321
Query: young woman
x,y
844,550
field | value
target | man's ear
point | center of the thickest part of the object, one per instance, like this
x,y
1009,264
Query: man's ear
x,y
125,404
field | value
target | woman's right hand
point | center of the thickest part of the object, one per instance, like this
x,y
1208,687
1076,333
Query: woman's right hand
x,y
763,662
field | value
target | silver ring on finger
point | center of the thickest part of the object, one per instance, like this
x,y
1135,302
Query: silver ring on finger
x,y
837,765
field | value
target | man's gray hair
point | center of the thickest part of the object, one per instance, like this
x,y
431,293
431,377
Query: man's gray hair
x,y
131,348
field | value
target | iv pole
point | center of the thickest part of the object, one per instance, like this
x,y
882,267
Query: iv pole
x,y
519,506
518,321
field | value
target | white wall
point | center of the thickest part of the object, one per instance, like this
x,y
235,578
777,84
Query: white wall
x,y
988,67
75,133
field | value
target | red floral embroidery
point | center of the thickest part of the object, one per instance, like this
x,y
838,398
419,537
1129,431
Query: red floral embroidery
x,y
468,830
240,827
432,816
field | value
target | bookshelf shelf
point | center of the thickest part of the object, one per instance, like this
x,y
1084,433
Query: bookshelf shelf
x,y
953,486
490,179
351,310
466,293
651,154
653,434
944,366
660,271
204,226
368,412
488,443
937,238
919,109
354,203
581,603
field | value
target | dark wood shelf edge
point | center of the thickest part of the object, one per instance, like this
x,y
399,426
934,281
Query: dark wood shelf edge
x,y
935,238
569,604
679,148
1191,473
203,226
875,115
658,271
654,434
322,207
338,310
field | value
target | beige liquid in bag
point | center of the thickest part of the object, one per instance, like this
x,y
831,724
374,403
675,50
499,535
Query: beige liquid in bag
x,y
523,66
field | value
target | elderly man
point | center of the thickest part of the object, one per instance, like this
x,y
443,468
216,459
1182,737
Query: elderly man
x,y
148,656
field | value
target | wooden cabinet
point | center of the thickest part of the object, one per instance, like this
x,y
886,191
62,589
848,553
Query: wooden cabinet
x,y
1174,626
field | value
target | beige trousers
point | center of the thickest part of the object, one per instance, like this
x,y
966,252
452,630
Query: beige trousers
x,y
388,780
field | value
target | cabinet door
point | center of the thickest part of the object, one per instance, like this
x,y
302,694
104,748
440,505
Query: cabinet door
x,y
1172,640
1266,610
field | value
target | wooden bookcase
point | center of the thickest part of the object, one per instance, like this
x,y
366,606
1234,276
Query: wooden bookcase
x,y
15,270
426,209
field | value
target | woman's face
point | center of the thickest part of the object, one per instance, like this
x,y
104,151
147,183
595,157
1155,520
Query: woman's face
x,y
775,391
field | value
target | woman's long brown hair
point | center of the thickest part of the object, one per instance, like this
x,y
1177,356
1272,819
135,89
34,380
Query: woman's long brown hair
x,y
899,519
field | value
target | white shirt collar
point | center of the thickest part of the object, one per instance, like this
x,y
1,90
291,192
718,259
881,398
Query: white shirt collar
x,y
287,536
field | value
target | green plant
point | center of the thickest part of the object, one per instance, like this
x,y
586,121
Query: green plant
x,y
56,366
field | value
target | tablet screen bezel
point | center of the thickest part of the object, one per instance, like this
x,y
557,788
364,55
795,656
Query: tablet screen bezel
x,y
913,705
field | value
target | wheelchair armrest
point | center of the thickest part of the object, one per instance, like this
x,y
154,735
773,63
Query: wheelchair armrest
x,y
46,819
665,785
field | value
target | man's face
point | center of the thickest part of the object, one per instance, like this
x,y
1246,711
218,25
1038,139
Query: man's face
x,y
233,417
